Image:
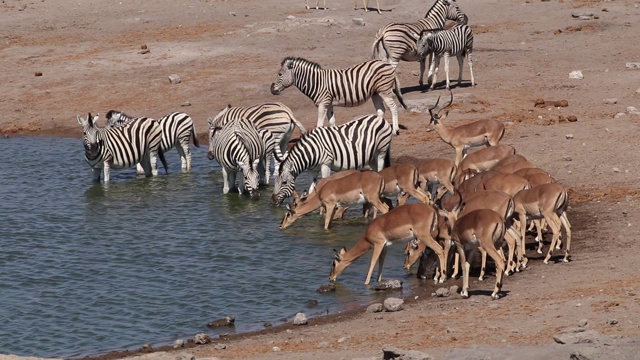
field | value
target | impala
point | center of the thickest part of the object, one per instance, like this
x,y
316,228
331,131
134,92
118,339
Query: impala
x,y
402,181
415,248
507,183
482,132
512,163
548,202
484,159
404,223
435,173
360,187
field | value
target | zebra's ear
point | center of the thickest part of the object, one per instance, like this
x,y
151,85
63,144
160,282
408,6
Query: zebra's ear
x,y
289,64
81,121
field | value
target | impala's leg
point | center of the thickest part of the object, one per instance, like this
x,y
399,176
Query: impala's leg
x,y
511,244
456,264
459,153
459,57
555,224
331,208
483,263
446,69
499,261
378,204
383,255
377,250
378,4
339,213
465,270
567,230
470,61
425,237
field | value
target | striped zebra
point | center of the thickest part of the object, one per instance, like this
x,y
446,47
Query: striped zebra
x,y
237,146
274,117
456,41
373,79
365,140
121,147
397,41
177,129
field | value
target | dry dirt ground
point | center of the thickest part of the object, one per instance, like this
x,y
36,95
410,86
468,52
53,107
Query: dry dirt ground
x,y
90,57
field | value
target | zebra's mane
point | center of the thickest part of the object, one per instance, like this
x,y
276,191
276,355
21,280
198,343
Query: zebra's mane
x,y
301,60
117,118
438,3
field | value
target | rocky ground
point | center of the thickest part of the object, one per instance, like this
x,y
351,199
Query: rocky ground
x,y
62,58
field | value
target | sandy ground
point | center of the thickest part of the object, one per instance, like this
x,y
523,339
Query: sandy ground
x,y
89,55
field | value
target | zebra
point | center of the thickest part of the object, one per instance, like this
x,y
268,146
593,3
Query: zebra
x,y
121,147
397,41
373,79
456,41
177,129
274,117
237,146
355,5
365,140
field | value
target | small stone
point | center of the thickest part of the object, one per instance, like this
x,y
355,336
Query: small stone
x,y
343,339
572,118
289,331
576,74
454,289
330,287
144,51
561,103
619,115
539,103
290,17
178,344
225,321
615,170
231,13
610,101
358,21
312,303
147,347
442,292
493,307
186,103
201,339
220,346
323,344
174,79
638,91
267,324
143,46
632,110
569,136
583,323
567,158
38,73
375,308
633,65
300,319
393,304
275,348
388,284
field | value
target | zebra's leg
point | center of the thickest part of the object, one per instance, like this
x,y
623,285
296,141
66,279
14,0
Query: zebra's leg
x,y
391,104
225,181
470,61
325,171
446,69
140,169
422,66
185,153
322,114
460,63
332,116
96,174
153,161
433,70
106,172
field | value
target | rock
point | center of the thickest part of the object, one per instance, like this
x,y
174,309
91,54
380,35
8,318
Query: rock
x,y
576,74
343,339
144,51
539,103
610,101
391,352
572,118
578,335
619,115
454,289
178,344
638,91
231,13
220,346
388,284
225,321
358,21
174,79
186,103
267,324
326,288
393,304
275,348
312,303
442,292
375,308
612,322
561,103
201,339
578,15
300,319
583,323
493,307
185,356
290,17
569,136
567,158
632,110
633,65
615,170
38,73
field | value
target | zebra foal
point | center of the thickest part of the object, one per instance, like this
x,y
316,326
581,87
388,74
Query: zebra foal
x,y
457,41
237,146
274,117
177,129
397,41
121,147
365,140
375,80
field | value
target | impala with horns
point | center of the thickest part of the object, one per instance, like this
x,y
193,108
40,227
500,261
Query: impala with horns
x,y
548,202
485,158
404,223
435,173
360,187
482,132
402,181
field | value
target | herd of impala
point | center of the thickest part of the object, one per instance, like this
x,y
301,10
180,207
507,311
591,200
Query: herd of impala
x,y
477,202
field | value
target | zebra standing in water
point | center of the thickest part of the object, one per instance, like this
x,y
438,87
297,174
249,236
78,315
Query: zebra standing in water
x,y
365,140
121,147
373,79
177,129
456,41
237,146
397,41
274,117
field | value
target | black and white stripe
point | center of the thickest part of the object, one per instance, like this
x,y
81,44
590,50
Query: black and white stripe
x,y
274,117
177,130
353,86
397,41
366,140
457,41
121,147
238,146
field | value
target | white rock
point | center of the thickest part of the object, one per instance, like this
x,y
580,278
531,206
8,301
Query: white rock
x,y
632,110
576,74
290,17
343,339
569,136
619,115
275,348
633,65
300,319
610,101
358,21
615,170
174,79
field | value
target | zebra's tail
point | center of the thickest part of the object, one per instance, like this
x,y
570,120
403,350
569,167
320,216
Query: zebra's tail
x,y
387,158
195,137
299,125
378,51
396,90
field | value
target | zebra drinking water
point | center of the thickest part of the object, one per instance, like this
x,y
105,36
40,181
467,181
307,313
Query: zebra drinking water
x,y
373,79
237,146
456,41
274,117
365,140
121,147
397,41
177,129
